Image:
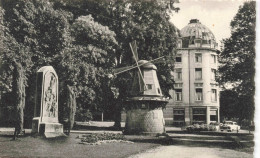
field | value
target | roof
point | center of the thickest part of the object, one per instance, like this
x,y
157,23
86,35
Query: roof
x,y
147,65
197,30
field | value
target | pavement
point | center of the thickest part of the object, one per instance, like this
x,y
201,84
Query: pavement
x,y
191,152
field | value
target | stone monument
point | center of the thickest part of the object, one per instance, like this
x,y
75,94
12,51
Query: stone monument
x,y
45,119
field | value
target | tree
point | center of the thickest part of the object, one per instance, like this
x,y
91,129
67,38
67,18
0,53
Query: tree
x,y
35,33
84,41
13,70
70,108
38,34
147,22
238,59
84,62
19,95
229,101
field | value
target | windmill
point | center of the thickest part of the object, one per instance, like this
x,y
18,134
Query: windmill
x,y
145,102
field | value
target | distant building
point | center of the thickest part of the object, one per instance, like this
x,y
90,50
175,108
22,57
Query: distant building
x,y
196,95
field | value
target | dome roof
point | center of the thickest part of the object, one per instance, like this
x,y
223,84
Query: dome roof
x,y
195,30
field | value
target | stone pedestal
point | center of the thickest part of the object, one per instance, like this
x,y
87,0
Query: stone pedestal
x,y
145,121
51,130
45,119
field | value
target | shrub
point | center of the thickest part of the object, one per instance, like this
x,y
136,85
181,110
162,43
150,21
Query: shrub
x,y
197,127
95,137
212,128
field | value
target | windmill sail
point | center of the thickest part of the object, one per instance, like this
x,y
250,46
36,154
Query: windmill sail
x,y
142,85
133,47
128,68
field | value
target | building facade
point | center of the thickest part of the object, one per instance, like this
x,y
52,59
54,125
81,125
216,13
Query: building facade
x,y
195,98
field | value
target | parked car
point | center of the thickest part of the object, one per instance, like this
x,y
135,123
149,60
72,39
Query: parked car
x,y
230,126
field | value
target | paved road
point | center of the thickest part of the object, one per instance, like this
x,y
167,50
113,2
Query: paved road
x,y
191,152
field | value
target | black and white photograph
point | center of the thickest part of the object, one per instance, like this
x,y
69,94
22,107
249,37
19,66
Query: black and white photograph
x,y
129,78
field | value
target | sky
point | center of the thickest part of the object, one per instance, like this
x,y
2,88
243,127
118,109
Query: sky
x,y
214,14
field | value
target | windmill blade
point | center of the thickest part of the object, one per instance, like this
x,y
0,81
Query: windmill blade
x,y
134,52
128,68
123,69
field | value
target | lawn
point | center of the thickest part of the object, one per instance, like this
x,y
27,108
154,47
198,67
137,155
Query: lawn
x,y
29,146
69,147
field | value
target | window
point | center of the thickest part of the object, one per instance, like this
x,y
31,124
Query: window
x,y
178,115
178,59
213,115
192,39
149,86
198,42
178,93
213,74
198,73
213,59
198,94
178,85
178,74
213,95
159,91
199,115
179,43
198,58
198,84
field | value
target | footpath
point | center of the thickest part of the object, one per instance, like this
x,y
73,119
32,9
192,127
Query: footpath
x,y
182,151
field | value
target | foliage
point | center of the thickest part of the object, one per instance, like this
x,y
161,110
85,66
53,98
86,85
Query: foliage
x,y
143,21
84,115
44,35
13,70
36,32
238,59
229,101
84,62
84,41
201,127
93,138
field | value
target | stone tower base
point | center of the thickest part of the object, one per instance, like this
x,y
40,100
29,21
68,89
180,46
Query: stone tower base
x,y
144,121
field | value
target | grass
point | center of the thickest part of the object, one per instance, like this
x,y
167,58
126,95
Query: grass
x,y
29,146
67,147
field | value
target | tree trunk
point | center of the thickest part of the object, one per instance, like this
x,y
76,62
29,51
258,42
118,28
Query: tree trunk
x,y
19,96
71,107
117,115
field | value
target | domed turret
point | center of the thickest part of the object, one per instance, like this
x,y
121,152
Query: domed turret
x,y
196,34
